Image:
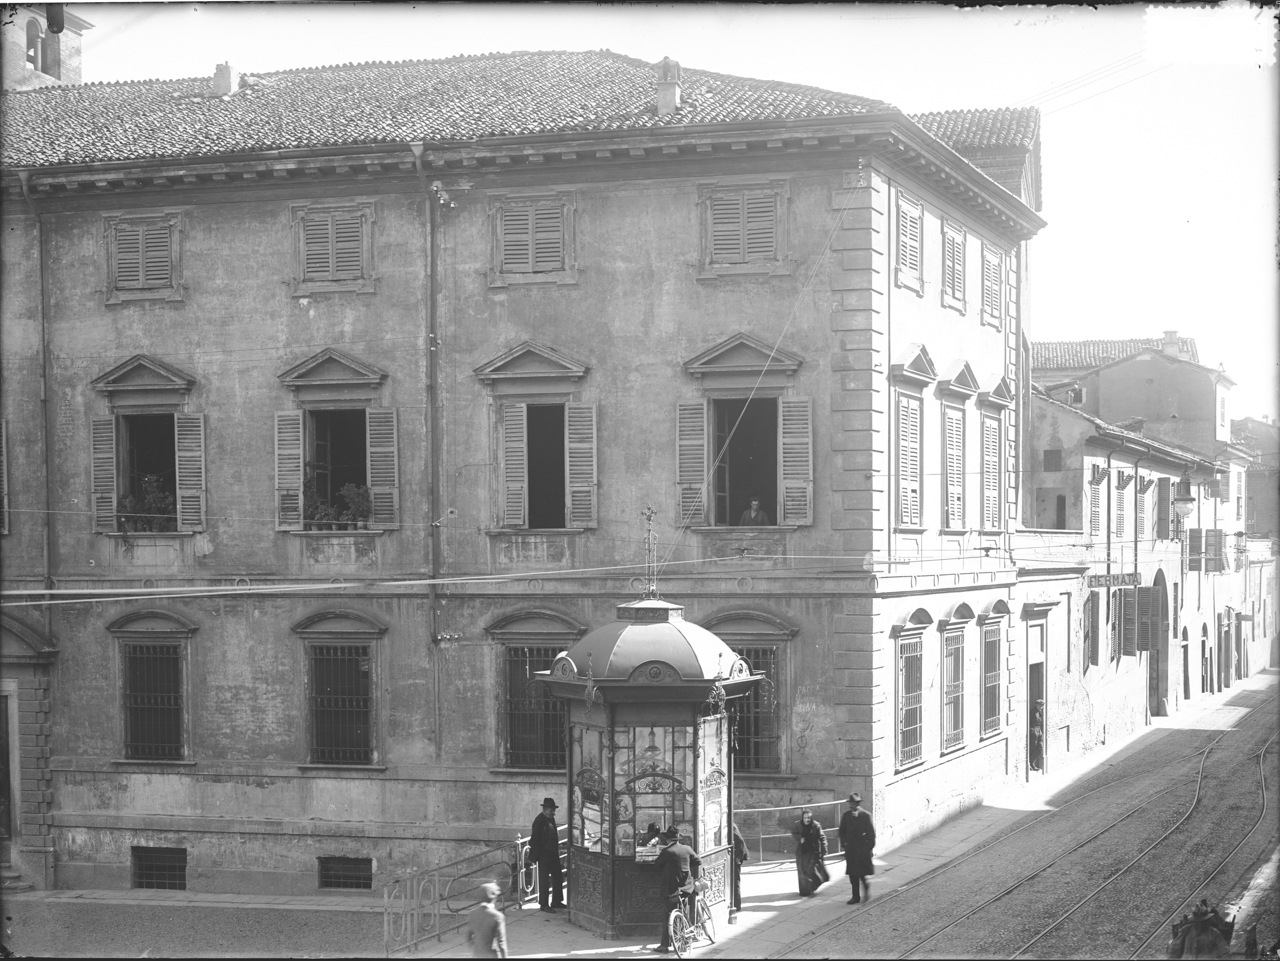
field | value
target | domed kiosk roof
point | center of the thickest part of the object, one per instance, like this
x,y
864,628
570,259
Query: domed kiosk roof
x,y
650,645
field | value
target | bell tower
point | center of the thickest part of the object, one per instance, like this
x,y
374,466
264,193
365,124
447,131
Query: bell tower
x,y
41,46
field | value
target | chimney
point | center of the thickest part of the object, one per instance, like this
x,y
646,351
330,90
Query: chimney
x,y
225,80
668,87
1171,343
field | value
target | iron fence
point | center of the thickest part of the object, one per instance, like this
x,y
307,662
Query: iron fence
x,y
768,830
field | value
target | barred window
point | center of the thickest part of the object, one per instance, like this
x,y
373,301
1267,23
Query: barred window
x,y
953,689
991,635
535,722
910,721
162,868
341,704
758,737
346,873
153,701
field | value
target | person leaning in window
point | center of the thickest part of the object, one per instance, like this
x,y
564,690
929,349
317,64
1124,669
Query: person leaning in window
x,y
754,517
544,847
811,848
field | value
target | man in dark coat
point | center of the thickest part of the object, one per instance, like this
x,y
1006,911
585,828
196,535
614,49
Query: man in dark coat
x,y
544,848
740,855
677,863
858,838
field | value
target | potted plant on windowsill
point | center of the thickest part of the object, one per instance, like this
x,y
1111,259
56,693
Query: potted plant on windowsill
x,y
152,511
359,503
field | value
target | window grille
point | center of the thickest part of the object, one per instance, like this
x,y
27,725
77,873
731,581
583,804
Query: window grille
x,y
153,701
341,704
162,868
535,723
953,691
910,722
991,636
347,873
758,738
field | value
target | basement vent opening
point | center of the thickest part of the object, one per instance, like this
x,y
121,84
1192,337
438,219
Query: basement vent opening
x,y
162,868
348,873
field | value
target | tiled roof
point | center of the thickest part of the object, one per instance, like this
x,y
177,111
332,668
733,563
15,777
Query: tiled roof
x,y
983,129
458,99
1070,354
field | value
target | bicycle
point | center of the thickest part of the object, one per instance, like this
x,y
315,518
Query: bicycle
x,y
689,922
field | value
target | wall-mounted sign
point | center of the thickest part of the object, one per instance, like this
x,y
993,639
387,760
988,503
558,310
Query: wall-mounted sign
x,y
1115,580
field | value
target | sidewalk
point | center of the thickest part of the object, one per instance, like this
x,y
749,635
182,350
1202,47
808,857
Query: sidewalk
x,y
774,916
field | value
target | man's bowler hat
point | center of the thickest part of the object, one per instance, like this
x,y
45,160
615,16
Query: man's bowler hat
x,y
549,802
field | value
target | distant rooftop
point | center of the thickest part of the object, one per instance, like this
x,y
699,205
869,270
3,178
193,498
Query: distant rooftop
x,y
983,129
1087,354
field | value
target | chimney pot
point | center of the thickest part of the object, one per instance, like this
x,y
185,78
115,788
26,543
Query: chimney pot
x,y
1171,343
225,80
668,87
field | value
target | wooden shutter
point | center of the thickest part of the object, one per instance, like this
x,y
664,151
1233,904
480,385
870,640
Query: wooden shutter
x,y
580,464
317,247
991,487
727,245
1213,550
289,470
1119,528
515,466
691,462
992,271
761,228
157,261
1092,625
188,446
382,466
548,238
795,459
1095,508
908,460
1140,512
1129,624
953,430
1146,617
103,443
953,263
910,224
1164,504
517,240
4,478
128,253
1195,549
348,246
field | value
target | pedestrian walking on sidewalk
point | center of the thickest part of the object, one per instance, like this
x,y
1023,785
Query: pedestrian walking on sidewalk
x,y
740,855
811,848
858,839
678,865
486,927
544,848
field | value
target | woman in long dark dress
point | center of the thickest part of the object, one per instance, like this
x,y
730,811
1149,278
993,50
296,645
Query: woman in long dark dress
x,y
811,848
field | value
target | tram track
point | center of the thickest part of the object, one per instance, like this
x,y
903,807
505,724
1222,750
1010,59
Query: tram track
x,y
1161,767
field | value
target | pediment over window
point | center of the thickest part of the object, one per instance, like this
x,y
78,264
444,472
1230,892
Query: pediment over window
x,y
151,624
1001,395
536,627
332,375
743,627
959,380
916,366
143,381
340,624
742,361
914,624
20,644
532,367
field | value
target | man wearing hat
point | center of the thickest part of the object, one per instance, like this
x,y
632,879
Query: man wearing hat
x,y
858,838
486,927
544,847
677,863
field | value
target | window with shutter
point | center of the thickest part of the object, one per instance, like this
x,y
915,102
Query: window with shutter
x,y
333,248
992,286
1095,509
549,466
992,474
991,668
909,480
1195,549
1140,513
953,690
1092,617
142,257
289,470
1164,507
909,271
532,239
4,477
515,473
691,462
580,464
795,460
1119,527
1214,550
189,456
382,470
1129,623
743,229
1147,617
953,238
953,438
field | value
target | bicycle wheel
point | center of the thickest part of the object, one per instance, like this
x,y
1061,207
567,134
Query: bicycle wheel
x,y
706,924
681,933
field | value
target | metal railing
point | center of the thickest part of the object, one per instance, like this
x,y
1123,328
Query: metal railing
x,y
767,831
436,901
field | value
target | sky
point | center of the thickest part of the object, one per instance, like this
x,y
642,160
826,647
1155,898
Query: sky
x,y
1159,133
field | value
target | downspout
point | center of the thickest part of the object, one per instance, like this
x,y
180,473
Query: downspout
x,y
1110,520
47,611
1137,492
433,499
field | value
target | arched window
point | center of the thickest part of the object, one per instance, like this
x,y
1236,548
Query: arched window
x,y
35,47
910,635
341,656
154,651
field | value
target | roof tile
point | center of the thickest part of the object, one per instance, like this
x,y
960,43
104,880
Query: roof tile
x,y
1070,354
983,129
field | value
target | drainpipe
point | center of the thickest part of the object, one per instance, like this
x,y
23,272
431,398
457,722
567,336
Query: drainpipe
x,y
1137,489
433,490
25,177
1107,525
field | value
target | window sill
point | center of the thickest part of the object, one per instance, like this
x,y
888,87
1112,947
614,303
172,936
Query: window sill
x,y
991,320
993,735
954,530
911,282
526,531
159,293
146,535
910,766
309,288
527,771
336,533
564,278
727,528
342,767
764,268
911,530
764,776
953,749
155,762
953,303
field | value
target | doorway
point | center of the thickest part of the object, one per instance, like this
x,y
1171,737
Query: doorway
x,y
1037,723
1186,666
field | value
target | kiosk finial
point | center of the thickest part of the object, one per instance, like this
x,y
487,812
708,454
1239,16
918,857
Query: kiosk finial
x,y
650,555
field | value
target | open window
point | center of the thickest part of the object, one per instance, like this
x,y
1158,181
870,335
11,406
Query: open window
x,y
148,456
